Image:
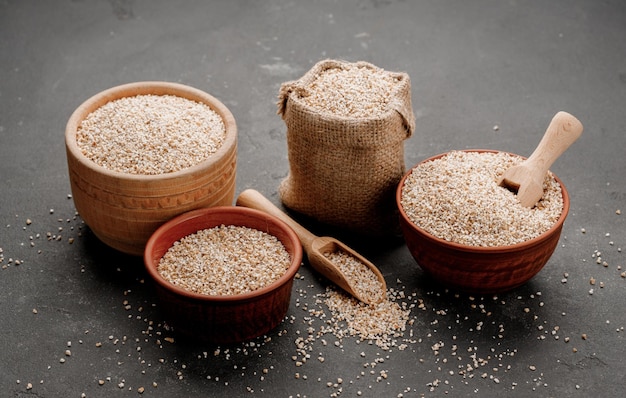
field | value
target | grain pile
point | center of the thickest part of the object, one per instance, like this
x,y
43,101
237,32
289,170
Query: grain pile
x,y
225,260
150,134
354,91
457,198
383,323
362,280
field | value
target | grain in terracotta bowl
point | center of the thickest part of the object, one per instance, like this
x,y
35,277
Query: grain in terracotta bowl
x,y
468,232
223,274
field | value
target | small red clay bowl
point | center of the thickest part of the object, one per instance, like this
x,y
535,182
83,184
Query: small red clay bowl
x,y
481,270
222,319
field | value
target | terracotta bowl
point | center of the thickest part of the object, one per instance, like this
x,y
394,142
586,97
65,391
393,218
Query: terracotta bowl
x,y
124,209
481,270
227,318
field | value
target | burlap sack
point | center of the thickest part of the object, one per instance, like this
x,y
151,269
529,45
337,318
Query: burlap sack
x,y
344,171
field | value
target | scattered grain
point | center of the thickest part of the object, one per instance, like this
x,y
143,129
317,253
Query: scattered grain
x,y
382,323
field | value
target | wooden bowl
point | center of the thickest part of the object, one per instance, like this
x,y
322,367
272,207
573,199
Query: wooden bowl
x,y
227,318
124,209
482,270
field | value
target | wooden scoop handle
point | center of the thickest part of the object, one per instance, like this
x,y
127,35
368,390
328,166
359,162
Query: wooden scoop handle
x,y
562,131
255,200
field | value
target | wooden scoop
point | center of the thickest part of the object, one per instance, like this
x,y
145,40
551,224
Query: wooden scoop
x,y
315,246
527,178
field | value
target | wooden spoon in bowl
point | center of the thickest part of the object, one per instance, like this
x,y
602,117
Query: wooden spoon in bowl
x,y
316,247
527,178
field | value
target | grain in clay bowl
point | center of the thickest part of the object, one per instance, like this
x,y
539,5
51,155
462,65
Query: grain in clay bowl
x,y
153,166
446,247
243,307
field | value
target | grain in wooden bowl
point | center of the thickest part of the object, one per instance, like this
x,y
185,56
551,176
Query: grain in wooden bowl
x,y
141,153
468,232
223,274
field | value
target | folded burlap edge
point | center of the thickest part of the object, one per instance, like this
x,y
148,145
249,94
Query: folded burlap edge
x,y
292,90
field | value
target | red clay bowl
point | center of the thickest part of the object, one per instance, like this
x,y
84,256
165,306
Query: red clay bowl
x,y
482,270
222,319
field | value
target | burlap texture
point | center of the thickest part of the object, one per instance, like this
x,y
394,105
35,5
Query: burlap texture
x,y
344,171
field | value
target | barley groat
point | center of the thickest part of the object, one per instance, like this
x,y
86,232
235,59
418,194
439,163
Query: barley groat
x,y
457,198
360,277
150,134
355,90
225,260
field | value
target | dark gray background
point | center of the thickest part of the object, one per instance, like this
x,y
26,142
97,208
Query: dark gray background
x,y
473,65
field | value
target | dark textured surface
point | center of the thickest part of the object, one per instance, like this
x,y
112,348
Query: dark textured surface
x,y
473,65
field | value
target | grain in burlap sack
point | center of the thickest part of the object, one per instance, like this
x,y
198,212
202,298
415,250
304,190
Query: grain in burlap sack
x,y
344,169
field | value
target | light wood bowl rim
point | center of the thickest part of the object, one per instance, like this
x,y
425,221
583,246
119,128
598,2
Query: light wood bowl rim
x,y
143,88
